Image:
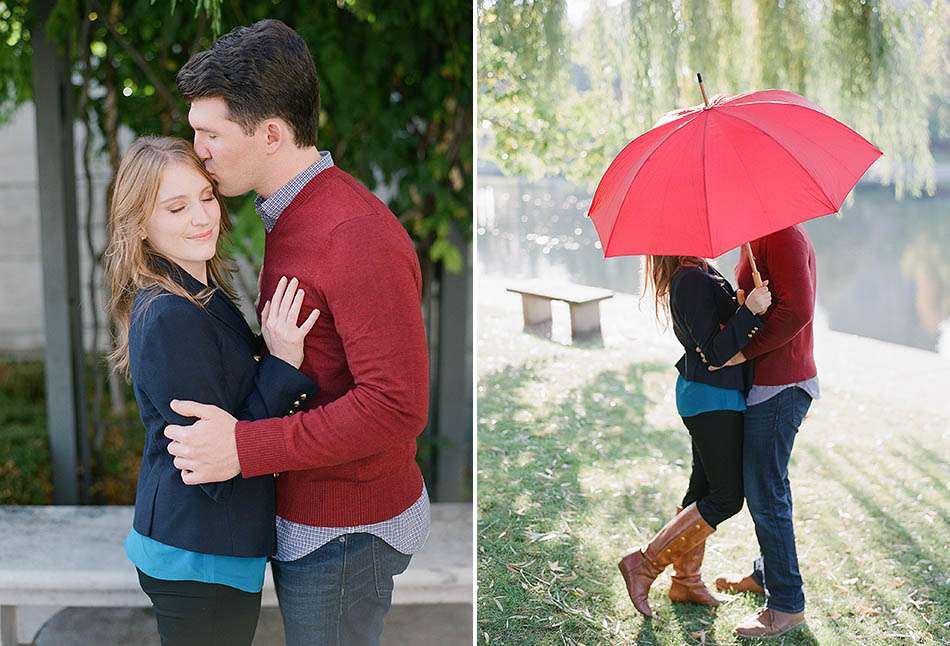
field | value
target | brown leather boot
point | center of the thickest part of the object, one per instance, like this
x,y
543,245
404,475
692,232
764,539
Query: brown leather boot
x,y
736,584
640,568
687,585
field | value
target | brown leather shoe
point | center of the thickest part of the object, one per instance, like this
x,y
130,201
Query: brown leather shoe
x,y
687,585
641,567
766,622
736,584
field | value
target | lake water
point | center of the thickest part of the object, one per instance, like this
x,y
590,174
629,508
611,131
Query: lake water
x,y
883,265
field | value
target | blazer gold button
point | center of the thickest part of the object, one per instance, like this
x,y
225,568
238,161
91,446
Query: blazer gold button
x,y
297,404
257,357
303,395
276,475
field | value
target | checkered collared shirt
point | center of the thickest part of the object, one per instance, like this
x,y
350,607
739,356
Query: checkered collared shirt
x,y
270,209
406,532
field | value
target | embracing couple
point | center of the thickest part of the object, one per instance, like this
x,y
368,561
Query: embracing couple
x,y
304,448
742,420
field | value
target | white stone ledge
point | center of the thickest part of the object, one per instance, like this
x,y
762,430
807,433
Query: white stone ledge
x,y
73,556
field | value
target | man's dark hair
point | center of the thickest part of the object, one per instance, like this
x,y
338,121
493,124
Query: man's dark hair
x,y
261,71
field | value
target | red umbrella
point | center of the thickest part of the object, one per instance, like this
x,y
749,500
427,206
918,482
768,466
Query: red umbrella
x,y
709,178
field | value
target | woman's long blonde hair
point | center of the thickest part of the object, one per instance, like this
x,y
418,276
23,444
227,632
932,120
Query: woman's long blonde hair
x,y
658,274
131,262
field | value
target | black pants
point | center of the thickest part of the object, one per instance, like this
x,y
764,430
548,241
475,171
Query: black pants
x,y
715,484
190,613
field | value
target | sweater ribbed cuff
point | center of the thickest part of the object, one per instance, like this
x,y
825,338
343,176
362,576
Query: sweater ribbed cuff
x,y
261,447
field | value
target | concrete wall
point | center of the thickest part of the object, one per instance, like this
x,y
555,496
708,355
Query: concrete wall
x,y
21,287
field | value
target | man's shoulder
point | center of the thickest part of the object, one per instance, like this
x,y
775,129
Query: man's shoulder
x,y
795,234
340,198
339,190
785,241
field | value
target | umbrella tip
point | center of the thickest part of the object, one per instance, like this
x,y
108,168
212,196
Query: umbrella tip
x,y
702,89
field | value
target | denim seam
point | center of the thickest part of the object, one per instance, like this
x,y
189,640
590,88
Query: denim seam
x,y
787,404
376,577
342,609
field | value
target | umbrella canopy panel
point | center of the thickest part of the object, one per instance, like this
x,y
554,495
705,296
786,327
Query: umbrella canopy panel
x,y
706,180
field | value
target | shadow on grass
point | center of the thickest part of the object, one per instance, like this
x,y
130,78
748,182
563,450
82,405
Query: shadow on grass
x,y
566,482
889,538
925,461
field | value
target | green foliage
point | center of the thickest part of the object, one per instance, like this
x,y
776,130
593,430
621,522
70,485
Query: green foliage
x,y
396,88
879,66
25,469
14,74
247,236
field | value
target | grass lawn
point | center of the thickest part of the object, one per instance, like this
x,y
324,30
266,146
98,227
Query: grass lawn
x,y
581,456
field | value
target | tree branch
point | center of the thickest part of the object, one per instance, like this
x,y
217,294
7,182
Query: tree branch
x,y
140,61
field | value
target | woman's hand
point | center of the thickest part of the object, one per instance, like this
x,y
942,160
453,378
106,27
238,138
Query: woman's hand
x,y
734,361
759,299
279,322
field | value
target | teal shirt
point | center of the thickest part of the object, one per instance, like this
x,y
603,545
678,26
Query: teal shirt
x,y
693,398
168,563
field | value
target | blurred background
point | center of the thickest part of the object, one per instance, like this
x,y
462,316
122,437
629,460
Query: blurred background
x,y
563,86
395,80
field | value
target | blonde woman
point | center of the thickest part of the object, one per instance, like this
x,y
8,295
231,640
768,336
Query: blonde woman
x,y
713,327
200,551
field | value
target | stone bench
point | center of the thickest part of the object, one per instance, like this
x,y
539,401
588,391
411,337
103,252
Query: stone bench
x,y
73,556
584,302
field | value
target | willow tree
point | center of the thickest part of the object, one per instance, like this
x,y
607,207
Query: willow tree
x,y
563,99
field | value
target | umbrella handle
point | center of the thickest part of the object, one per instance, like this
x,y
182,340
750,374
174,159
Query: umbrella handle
x,y
756,276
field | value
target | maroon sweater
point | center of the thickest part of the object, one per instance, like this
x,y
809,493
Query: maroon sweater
x,y
348,458
784,348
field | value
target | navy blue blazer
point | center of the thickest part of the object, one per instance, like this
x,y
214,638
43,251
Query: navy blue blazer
x,y
178,350
706,315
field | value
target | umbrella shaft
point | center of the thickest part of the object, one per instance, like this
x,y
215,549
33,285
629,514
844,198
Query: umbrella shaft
x,y
756,276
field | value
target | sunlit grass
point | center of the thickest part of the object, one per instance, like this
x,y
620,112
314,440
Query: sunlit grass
x,y
581,457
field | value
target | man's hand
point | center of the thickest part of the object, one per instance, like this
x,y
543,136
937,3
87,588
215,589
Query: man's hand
x,y
734,361
206,451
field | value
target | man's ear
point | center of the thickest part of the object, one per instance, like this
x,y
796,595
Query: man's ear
x,y
274,134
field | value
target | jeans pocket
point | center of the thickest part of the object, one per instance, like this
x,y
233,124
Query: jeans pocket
x,y
387,563
802,405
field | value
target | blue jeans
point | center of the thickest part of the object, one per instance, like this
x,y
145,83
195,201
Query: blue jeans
x,y
770,429
339,594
